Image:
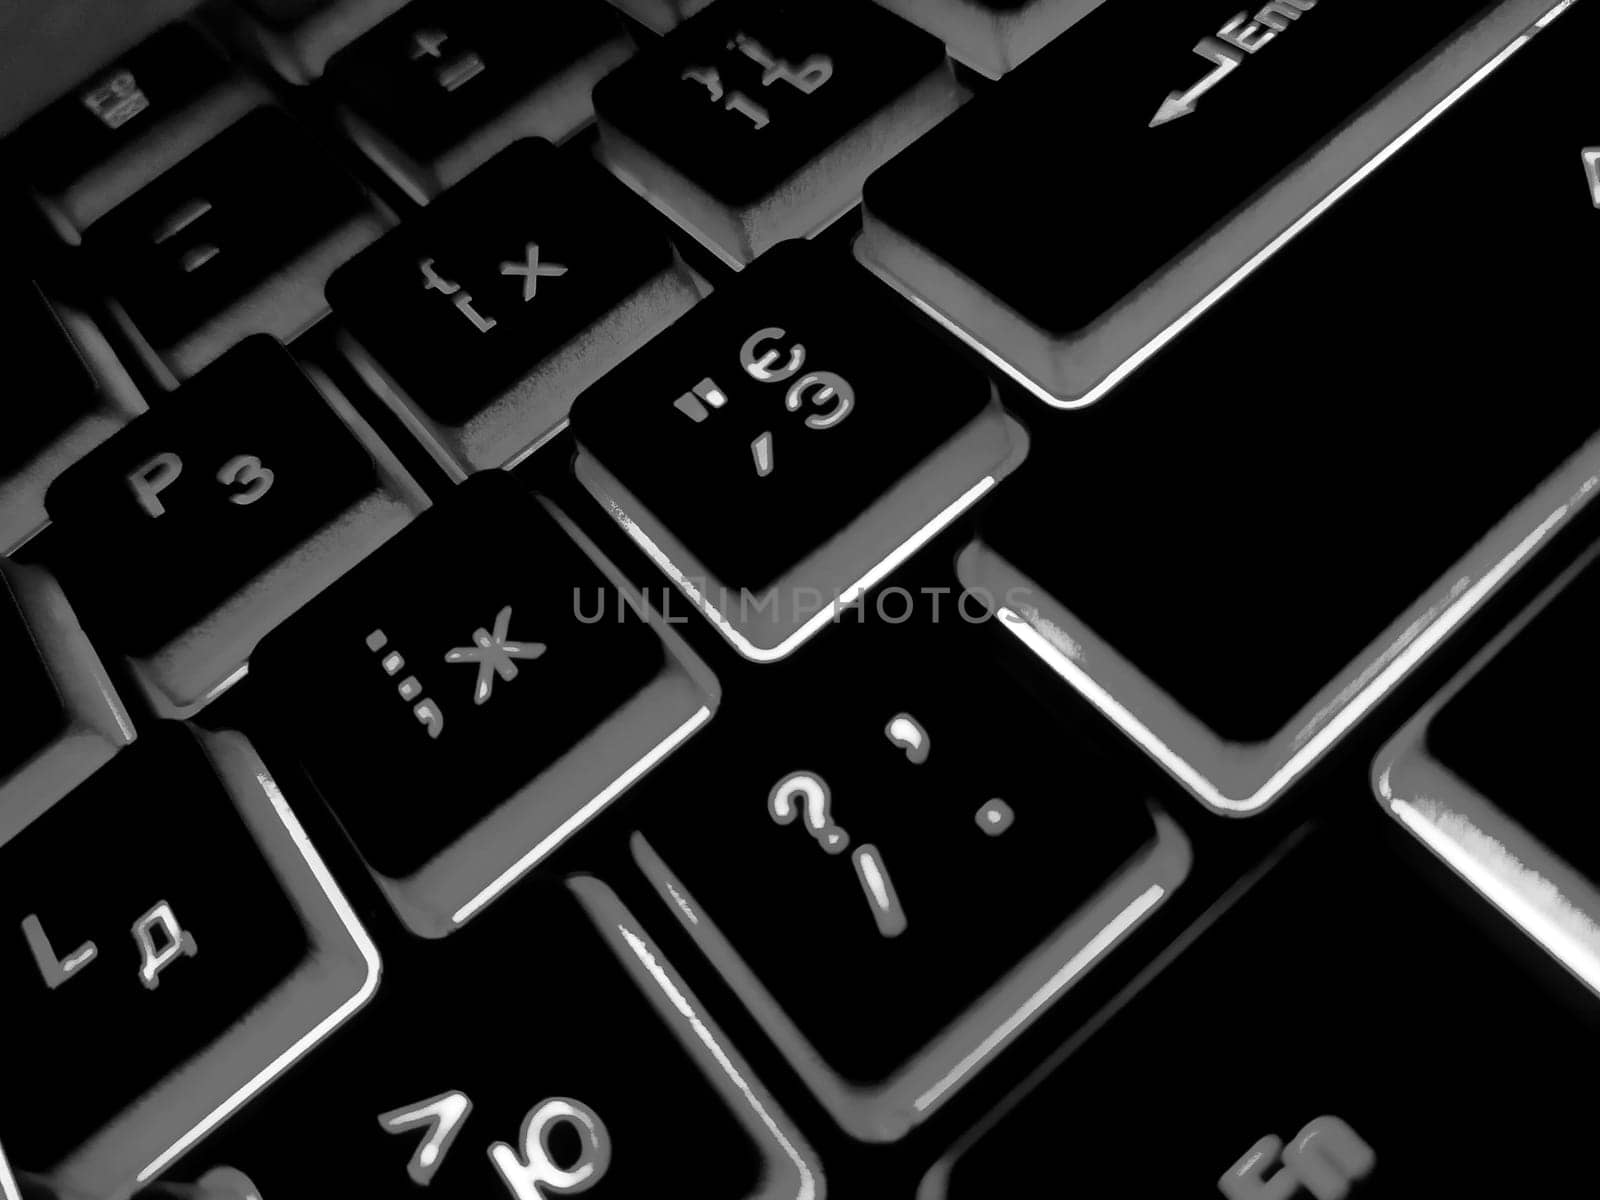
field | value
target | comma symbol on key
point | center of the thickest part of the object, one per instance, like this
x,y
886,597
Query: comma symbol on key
x,y
425,710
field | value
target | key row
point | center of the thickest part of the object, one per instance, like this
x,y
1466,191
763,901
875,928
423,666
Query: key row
x,y
895,774
298,963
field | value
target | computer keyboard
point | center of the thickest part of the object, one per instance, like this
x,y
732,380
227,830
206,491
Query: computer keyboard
x,y
881,598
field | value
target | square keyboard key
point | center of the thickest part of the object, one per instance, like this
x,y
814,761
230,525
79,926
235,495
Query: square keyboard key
x,y
1248,553
597,1073
1343,1030
206,521
238,238
63,717
195,949
1493,774
464,702
54,406
128,122
897,795
439,88
758,121
774,462
480,318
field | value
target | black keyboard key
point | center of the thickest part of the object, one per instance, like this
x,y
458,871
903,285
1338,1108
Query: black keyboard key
x,y
592,1075
770,458
993,35
880,768
48,427
758,121
1343,1030
63,715
236,239
439,88
1194,134
204,522
480,318
211,950
502,693
1493,773
1314,515
128,122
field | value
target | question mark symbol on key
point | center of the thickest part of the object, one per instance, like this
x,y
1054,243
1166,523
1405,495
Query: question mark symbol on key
x,y
802,789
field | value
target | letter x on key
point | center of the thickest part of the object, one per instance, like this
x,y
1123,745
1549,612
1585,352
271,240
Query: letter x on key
x,y
531,270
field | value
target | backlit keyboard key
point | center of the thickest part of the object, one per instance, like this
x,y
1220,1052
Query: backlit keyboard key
x,y
63,717
946,859
1494,773
128,122
1270,524
486,670
238,238
1123,175
206,521
170,943
439,88
787,442
1341,1031
479,319
46,428
548,1051
993,35
757,121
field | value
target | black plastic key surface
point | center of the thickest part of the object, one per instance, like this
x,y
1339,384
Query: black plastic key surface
x,y
1304,469
78,888
1133,135
1343,1030
435,74
112,109
450,668
776,412
1520,730
738,102
34,711
896,750
541,1009
176,512
49,387
497,275
221,223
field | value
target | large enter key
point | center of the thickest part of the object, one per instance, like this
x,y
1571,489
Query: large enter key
x,y
1149,156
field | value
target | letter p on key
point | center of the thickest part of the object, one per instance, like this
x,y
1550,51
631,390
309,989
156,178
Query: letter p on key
x,y
151,478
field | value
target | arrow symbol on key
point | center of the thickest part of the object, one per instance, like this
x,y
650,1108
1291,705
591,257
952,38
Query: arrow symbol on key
x,y
1181,104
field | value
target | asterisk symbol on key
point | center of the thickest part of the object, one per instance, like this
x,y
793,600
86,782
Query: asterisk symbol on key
x,y
531,270
493,654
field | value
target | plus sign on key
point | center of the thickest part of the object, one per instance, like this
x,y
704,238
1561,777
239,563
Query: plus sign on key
x,y
480,318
